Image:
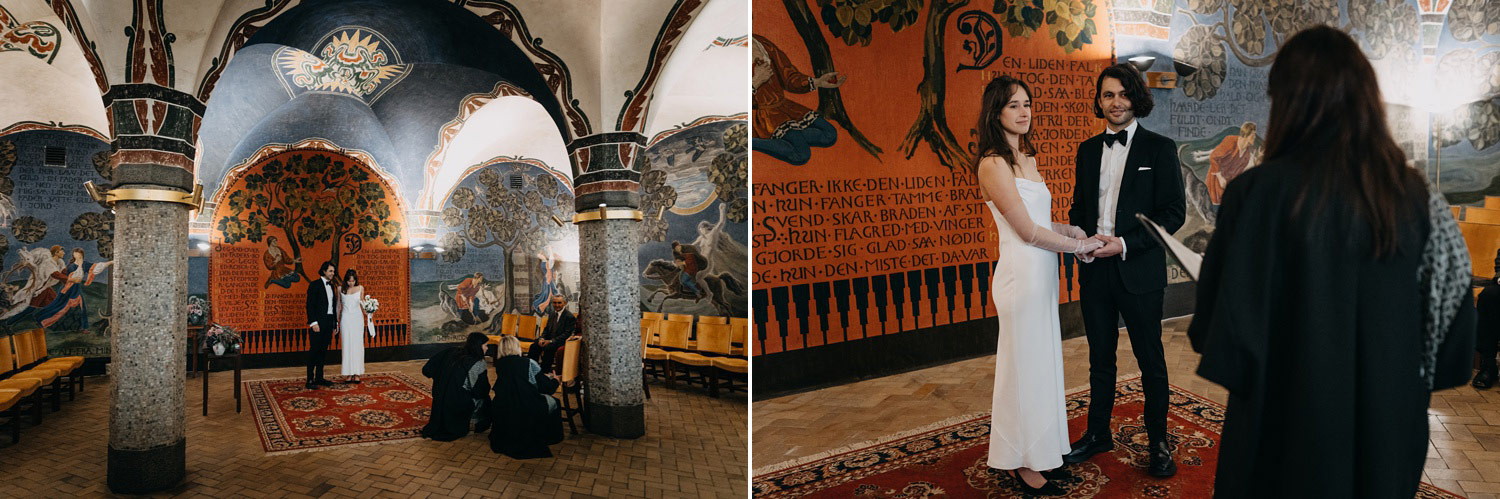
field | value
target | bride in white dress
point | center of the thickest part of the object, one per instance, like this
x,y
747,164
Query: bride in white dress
x,y
1029,425
352,328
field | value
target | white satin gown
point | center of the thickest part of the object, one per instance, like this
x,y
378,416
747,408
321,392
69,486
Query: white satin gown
x,y
1029,421
351,335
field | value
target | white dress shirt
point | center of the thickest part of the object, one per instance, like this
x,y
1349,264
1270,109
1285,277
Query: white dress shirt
x,y
327,288
1111,171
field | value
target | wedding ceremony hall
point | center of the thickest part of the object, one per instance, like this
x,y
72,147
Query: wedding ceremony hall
x,y
374,248
1082,248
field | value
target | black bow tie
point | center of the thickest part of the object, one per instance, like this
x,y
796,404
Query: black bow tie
x,y
1116,138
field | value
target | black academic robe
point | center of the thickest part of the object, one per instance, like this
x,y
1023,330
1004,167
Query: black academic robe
x,y
524,426
452,405
1318,343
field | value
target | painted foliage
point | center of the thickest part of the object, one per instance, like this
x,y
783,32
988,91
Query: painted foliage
x,y
56,242
502,251
287,214
1438,64
695,200
863,199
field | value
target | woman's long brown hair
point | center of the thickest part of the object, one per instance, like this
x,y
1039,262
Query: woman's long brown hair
x,y
991,135
1326,112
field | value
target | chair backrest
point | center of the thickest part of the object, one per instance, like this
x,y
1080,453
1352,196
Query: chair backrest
x,y
713,338
1481,215
653,315
712,319
1483,240
648,333
39,341
675,334
570,360
25,349
680,317
739,329
526,327
1492,202
7,355
508,324
541,323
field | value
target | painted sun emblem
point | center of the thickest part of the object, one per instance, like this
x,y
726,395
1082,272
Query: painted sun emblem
x,y
352,62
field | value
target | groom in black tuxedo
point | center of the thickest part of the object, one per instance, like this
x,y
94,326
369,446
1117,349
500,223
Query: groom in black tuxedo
x,y
1124,171
322,317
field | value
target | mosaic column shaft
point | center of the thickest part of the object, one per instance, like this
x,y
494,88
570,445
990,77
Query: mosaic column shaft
x,y
147,424
610,283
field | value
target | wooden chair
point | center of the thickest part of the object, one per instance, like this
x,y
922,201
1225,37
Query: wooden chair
x,y
27,389
67,367
712,319
715,339
28,362
674,335
507,327
1483,240
653,360
739,329
570,384
526,331
654,315
1492,202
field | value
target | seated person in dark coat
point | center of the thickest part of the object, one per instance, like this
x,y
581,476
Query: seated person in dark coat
x,y
560,326
460,390
525,415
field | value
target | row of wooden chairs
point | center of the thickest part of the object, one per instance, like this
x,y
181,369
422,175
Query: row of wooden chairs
x,y
28,376
738,328
524,327
665,348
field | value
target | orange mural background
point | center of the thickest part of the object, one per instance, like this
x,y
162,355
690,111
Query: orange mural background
x,y
847,215
273,318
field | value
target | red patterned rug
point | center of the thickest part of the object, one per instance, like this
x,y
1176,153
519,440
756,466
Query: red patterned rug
x,y
949,458
385,407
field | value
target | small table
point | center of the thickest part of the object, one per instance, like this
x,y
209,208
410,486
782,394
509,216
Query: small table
x,y
207,356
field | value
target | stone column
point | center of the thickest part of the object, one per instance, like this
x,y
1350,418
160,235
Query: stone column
x,y
610,287
147,420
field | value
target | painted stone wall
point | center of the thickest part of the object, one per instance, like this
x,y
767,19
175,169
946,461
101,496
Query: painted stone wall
x,y
695,200
502,252
56,242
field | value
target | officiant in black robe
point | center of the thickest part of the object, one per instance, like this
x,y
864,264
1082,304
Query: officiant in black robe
x,y
1310,310
460,390
525,415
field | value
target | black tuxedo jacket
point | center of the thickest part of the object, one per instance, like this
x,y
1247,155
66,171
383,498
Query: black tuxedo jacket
x,y
317,306
562,328
1152,184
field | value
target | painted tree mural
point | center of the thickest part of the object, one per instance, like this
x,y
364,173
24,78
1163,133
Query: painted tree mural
x,y
514,212
853,22
312,198
730,172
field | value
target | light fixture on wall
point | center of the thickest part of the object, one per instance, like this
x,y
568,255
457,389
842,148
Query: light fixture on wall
x,y
1155,79
1142,62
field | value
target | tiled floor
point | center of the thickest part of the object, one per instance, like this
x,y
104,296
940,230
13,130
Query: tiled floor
x,y
695,446
1464,455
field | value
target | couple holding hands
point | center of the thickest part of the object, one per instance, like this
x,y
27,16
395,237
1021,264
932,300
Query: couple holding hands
x,y
1123,171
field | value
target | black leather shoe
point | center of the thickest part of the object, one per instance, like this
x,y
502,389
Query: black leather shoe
x,y
323,382
1162,465
1086,447
1485,378
1047,489
311,386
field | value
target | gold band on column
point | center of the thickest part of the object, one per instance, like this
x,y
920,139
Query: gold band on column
x,y
608,214
110,197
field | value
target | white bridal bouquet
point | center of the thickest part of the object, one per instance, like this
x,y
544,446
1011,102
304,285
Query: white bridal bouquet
x,y
369,304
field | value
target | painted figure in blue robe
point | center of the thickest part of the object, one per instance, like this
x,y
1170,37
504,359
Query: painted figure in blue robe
x,y
79,273
548,270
